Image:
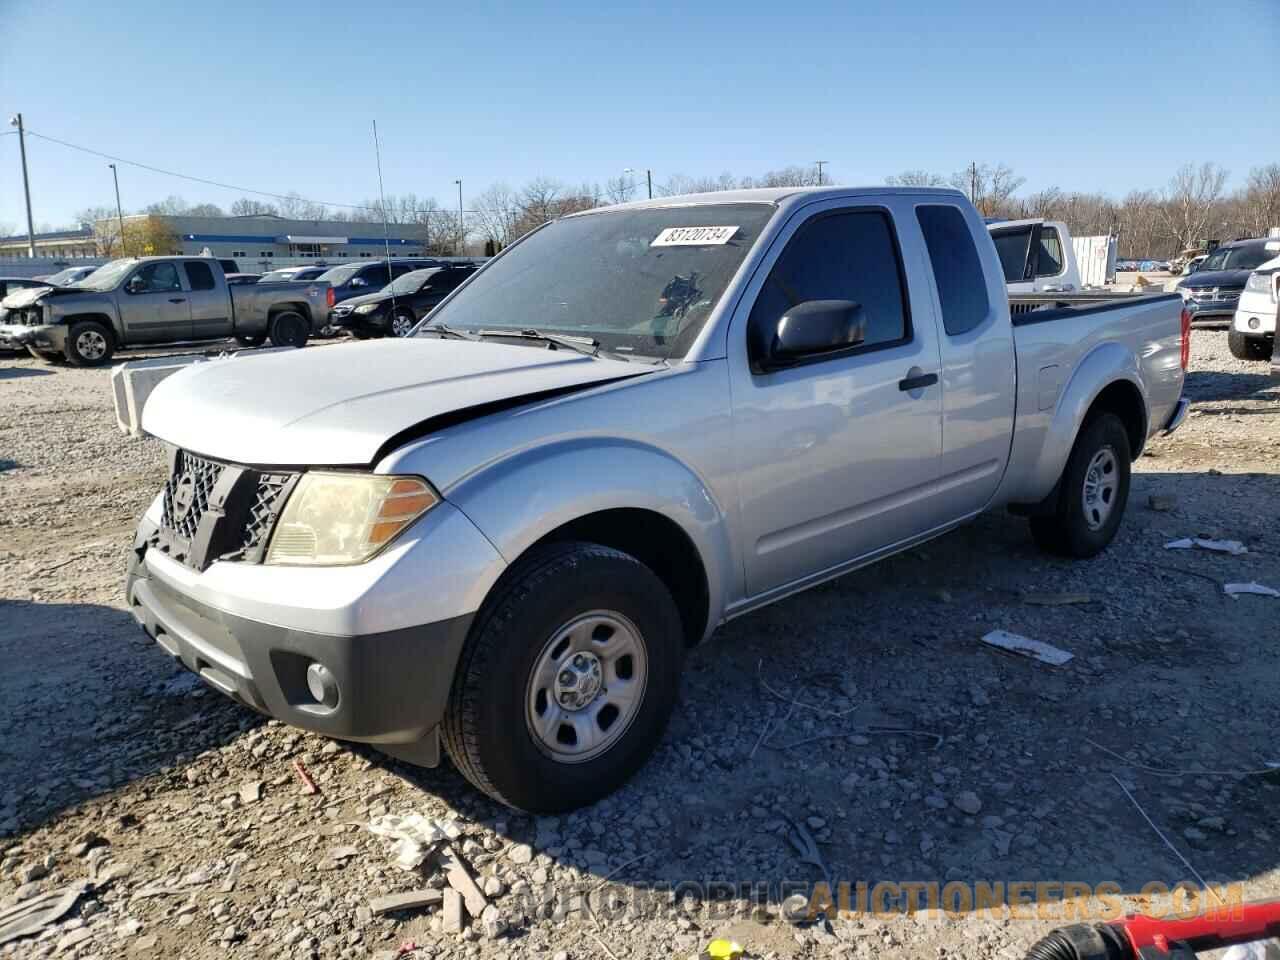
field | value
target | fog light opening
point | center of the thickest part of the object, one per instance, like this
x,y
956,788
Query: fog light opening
x,y
322,685
1254,323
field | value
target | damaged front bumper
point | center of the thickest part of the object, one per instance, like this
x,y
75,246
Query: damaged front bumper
x,y
388,689
47,337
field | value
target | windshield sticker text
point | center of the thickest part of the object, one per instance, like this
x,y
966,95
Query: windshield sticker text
x,y
693,236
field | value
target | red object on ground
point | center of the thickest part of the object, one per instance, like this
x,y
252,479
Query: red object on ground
x,y
305,777
1220,927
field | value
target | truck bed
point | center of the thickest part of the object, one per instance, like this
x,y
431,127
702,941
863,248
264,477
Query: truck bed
x,y
1040,303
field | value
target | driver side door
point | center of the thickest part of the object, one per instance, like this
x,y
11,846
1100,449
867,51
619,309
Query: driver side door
x,y
838,455
154,305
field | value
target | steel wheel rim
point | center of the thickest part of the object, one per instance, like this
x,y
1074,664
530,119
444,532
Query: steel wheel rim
x,y
586,686
1101,484
91,345
401,324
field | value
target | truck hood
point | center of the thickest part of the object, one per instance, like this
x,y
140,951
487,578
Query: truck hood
x,y
338,405
24,297
1216,278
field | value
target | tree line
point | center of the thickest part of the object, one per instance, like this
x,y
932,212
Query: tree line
x,y
1158,222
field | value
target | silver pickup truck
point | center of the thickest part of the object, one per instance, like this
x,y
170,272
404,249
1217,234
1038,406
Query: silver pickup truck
x,y
505,531
151,300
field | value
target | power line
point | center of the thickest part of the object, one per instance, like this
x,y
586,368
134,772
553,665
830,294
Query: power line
x,y
212,183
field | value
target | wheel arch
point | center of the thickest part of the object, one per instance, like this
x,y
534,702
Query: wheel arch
x,y
103,319
620,494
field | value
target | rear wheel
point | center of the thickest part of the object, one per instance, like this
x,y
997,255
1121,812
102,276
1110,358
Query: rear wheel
x,y
1094,492
402,321
1245,347
288,329
89,344
567,679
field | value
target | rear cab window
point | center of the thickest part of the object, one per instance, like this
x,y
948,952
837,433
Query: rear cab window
x,y
199,275
957,270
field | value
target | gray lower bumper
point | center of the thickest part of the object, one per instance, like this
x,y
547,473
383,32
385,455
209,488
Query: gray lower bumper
x,y
51,338
391,688
1180,411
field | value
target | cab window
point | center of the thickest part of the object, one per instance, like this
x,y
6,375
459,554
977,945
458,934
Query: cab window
x,y
159,277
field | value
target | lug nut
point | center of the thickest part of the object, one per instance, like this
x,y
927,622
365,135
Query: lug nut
x,y
566,678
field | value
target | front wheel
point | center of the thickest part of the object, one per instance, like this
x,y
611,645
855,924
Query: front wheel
x,y
1244,347
89,344
289,329
402,321
567,680
1093,495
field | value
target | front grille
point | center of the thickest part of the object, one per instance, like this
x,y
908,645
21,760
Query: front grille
x,y
186,495
218,511
1214,295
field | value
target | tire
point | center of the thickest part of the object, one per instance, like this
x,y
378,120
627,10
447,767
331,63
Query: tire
x,y
289,329
564,593
1094,492
402,321
1245,347
257,340
89,344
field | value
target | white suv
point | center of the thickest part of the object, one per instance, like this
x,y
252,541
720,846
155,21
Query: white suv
x,y
1253,330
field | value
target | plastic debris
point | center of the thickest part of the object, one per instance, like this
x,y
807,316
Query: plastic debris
x,y
1233,547
415,836
29,917
1257,950
1027,647
308,785
1233,590
722,950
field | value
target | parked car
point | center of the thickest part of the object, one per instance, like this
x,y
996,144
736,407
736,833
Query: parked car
x,y
368,276
631,426
65,278
1213,291
1194,263
396,308
157,300
1253,327
1037,256
236,279
292,273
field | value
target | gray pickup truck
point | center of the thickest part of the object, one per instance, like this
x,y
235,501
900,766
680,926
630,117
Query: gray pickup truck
x,y
505,531
151,300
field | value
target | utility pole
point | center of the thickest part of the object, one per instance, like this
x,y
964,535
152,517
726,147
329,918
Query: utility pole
x,y
648,178
16,121
462,232
821,164
973,183
119,210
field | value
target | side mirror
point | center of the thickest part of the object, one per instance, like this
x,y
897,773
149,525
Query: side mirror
x,y
136,284
811,330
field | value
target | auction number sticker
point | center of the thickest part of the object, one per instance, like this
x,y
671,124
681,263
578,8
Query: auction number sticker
x,y
694,236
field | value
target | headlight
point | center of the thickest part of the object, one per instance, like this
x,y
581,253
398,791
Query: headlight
x,y
1259,283
367,307
333,519
1186,293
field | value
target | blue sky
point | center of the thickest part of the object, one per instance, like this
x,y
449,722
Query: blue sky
x,y
1081,95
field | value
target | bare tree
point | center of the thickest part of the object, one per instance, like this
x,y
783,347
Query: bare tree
x,y
1260,202
991,188
1191,211
205,210
105,224
916,178
248,207
620,189
296,207
497,212
540,200
171,206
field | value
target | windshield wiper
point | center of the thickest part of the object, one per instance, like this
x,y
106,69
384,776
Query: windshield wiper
x,y
588,346
446,331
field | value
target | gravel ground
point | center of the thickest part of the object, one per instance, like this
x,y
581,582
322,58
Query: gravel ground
x,y
864,714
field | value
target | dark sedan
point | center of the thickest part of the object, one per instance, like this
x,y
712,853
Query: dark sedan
x,y
1212,291
397,307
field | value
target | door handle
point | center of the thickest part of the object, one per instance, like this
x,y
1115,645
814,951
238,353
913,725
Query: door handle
x,y
919,382
177,299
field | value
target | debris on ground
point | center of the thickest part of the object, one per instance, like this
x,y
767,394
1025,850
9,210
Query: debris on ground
x,y
722,950
1162,502
31,916
1233,547
1234,590
1025,646
1055,599
411,900
308,785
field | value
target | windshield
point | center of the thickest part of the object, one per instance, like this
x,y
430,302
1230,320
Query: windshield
x,y
337,276
638,281
1236,258
105,278
409,283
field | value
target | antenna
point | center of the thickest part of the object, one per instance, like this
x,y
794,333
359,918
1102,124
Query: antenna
x,y
382,199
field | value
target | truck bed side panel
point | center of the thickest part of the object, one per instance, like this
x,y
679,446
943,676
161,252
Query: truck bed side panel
x,y
1066,358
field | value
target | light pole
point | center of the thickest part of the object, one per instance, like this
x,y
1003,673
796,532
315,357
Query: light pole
x,y
119,210
821,164
16,121
648,178
462,233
